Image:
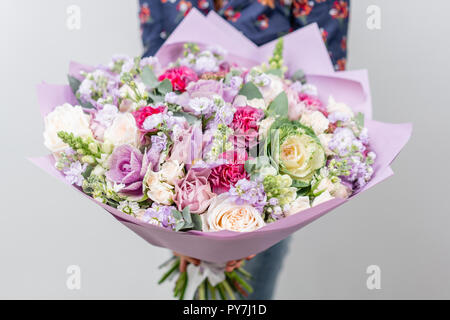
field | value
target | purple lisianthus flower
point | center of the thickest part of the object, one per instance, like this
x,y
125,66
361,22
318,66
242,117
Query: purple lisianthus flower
x,y
158,144
128,166
205,88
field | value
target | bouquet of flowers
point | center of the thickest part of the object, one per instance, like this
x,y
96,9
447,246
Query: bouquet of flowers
x,y
212,154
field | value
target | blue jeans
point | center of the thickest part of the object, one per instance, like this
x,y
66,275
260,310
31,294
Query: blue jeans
x,y
265,268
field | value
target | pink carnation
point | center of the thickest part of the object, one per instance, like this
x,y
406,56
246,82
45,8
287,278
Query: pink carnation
x,y
227,175
313,103
245,125
179,77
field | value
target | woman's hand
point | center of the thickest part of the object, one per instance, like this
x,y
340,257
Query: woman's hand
x,y
231,265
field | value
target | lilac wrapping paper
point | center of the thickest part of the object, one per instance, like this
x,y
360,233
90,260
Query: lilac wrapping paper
x,y
303,49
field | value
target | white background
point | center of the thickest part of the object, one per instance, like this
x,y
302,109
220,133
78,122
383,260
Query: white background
x,y
401,225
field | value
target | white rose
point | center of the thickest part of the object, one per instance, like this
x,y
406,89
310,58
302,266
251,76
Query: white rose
x,y
66,118
158,191
323,197
316,121
300,204
340,107
172,171
224,214
273,89
122,131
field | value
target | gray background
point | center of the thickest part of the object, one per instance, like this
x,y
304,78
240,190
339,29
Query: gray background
x,y
400,225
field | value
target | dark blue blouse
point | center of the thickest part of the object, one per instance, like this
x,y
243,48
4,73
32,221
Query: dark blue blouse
x,y
260,20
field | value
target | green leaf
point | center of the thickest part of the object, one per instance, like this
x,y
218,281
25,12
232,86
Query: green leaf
x,y
197,221
251,91
299,75
179,225
87,172
277,72
359,119
187,215
299,184
156,97
74,83
148,77
177,214
164,87
191,119
279,106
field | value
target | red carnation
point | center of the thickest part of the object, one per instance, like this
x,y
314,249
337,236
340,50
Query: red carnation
x,y
245,125
179,77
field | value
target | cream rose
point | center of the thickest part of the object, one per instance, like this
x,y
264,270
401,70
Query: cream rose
x,y
299,204
323,197
316,121
274,88
66,118
172,171
224,214
158,191
122,131
340,107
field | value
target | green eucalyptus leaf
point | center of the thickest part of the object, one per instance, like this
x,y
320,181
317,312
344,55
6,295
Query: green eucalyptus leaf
x,y
177,215
74,83
359,119
187,215
279,106
251,91
191,119
299,75
179,225
149,78
276,72
164,87
197,221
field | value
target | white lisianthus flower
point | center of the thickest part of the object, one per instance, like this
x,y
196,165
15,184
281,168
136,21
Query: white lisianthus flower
x,y
172,171
299,204
224,214
66,118
123,130
323,197
126,92
242,101
273,89
316,121
325,139
335,189
158,191
340,107
264,126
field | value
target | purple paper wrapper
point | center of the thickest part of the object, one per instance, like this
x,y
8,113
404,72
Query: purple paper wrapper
x,y
351,87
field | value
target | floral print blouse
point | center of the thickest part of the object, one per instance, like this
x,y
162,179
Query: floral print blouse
x,y
260,20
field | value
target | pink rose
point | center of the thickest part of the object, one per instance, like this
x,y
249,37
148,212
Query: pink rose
x,y
226,175
194,191
246,125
